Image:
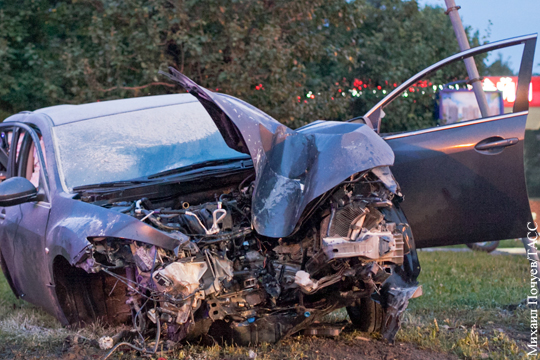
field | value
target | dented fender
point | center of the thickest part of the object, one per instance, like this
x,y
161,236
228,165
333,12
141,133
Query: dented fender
x,y
68,236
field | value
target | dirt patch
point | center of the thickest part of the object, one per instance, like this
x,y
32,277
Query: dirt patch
x,y
350,346
358,348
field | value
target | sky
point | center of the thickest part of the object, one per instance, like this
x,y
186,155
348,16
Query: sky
x,y
509,18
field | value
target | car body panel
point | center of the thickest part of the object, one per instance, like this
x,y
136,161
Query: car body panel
x,y
29,249
455,192
68,235
292,167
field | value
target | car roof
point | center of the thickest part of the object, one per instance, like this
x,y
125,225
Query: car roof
x,y
65,114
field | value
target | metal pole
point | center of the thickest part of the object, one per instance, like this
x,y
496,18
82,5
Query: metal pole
x,y
463,41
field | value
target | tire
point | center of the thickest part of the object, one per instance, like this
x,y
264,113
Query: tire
x,y
367,315
486,246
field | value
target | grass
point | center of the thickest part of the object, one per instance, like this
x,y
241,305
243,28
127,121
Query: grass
x,y
27,331
515,243
470,309
511,243
472,305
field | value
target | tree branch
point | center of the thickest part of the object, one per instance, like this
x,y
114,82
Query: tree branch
x,y
136,88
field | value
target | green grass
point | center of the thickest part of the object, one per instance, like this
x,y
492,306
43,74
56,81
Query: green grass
x,y
29,332
466,280
472,305
512,243
516,243
470,308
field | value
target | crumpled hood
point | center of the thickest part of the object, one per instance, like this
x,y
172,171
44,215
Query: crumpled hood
x,y
292,167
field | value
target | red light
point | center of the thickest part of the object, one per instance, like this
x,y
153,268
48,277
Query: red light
x,y
312,96
332,98
339,90
379,87
395,85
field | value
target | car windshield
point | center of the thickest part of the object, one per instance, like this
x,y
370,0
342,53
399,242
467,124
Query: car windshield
x,y
136,144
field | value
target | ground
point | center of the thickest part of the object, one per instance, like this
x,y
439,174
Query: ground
x,y
472,308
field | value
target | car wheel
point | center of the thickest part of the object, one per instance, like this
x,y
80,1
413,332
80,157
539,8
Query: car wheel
x,y
486,246
366,315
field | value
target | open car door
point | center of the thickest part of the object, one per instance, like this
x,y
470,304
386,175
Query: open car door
x,y
464,182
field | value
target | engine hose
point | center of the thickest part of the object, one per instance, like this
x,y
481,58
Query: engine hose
x,y
158,223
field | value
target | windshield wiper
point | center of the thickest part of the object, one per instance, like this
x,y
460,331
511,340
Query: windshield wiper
x,y
113,184
244,162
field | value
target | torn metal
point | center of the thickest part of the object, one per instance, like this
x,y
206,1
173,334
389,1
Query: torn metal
x,y
293,167
233,283
315,226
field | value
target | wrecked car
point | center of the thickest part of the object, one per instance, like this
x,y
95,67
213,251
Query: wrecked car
x,y
192,214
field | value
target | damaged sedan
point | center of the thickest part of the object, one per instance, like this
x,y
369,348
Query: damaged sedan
x,y
192,214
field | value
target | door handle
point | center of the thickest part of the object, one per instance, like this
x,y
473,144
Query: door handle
x,y
497,143
3,214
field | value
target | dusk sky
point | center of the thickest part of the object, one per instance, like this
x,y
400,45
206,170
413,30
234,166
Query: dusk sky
x,y
508,19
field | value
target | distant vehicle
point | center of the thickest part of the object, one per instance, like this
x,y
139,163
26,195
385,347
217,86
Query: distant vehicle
x,y
192,214
486,246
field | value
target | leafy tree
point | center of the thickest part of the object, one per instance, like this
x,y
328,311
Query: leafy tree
x,y
295,60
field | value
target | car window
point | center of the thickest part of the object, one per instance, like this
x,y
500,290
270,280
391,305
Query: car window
x,y
444,95
27,162
136,144
5,142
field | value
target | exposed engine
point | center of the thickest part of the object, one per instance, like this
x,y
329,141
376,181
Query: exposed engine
x,y
226,280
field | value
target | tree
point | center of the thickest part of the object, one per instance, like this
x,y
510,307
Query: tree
x,y
499,67
295,60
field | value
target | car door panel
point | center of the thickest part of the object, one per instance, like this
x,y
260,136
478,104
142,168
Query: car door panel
x,y
29,250
455,193
9,223
23,228
464,182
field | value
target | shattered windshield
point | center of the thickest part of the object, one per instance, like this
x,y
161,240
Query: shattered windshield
x,y
137,144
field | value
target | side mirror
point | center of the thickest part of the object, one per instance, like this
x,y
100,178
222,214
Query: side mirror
x,y
16,190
